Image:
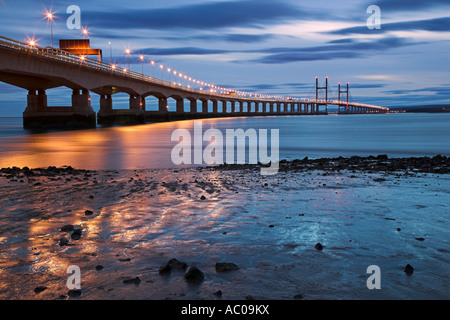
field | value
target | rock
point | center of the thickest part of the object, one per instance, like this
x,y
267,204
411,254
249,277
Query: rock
x,y
76,234
74,293
408,270
249,297
318,246
124,259
99,267
398,229
133,280
88,212
91,197
271,226
379,179
40,289
202,198
67,228
218,293
165,269
298,296
420,239
226,266
63,242
194,275
174,263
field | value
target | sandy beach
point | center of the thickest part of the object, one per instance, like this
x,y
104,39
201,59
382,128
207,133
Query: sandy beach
x,y
363,211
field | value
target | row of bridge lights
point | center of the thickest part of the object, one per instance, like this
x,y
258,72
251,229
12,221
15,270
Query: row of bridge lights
x,y
182,77
50,16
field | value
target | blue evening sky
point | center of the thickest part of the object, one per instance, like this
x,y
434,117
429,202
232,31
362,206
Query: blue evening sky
x,y
273,47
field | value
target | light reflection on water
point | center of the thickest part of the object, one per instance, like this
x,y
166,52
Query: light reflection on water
x,y
149,146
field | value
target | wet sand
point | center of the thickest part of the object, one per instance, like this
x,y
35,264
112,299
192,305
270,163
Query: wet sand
x,y
363,211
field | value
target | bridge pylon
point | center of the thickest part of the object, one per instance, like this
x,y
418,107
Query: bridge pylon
x,y
339,95
326,94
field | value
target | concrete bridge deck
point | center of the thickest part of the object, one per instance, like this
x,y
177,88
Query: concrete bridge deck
x,y
40,69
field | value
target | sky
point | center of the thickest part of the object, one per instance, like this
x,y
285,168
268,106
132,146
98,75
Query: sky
x,y
270,47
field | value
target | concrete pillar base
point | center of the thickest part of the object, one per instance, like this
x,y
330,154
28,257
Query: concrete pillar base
x,y
121,116
38,115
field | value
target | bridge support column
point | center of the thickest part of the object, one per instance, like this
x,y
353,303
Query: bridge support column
x,y
180,106
38,115
134,102
204,106
214,106
193,106
133,115
105,102
241,106
36,102
162,105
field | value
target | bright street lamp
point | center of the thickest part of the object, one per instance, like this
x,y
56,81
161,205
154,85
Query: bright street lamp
x,y
50,16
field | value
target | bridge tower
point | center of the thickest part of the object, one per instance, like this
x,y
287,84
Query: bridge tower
x,y
326,94
339,96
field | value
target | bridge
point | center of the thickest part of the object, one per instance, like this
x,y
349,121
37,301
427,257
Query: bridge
x,y
39,69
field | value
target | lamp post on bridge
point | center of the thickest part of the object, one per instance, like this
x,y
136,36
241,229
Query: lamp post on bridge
x,y
141,57
50,16
128,53
110,52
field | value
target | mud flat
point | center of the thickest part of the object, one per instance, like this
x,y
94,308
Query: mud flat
x,y
227,232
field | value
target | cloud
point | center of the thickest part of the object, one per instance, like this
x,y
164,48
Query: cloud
x,y
301,56
435,25
181,51
410,5
347,50
203,16
367,86
440,91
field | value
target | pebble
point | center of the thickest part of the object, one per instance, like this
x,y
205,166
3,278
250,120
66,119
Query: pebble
x,y
165,269
218,293
226,266
408,270
174,263
194,275
133,280
318,246
63,242
202,198
99,267
40,289
298,296
420,239
76,234
67,228
88,212
74,293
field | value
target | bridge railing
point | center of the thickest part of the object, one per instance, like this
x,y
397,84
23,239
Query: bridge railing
x,y
64,56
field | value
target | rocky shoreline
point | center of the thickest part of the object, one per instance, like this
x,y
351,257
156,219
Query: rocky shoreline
x,y
371,164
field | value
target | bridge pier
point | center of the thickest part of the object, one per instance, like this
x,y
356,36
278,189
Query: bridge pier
x,y
180,106
215,107
204,106
38,115
134,115
193,106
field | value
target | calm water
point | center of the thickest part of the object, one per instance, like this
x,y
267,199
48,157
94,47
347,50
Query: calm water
x,y
150,145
